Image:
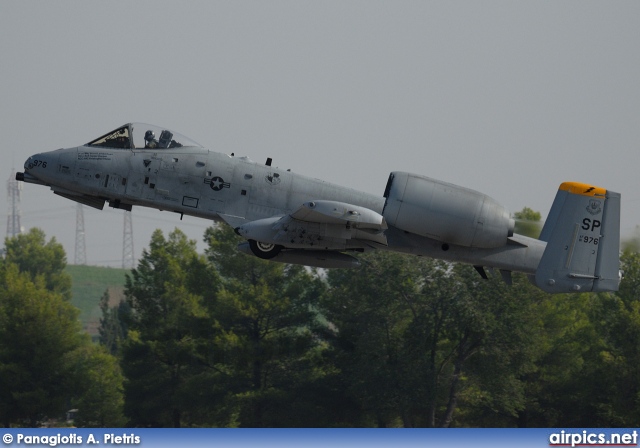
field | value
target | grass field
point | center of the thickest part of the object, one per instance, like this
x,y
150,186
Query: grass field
x,y
88,285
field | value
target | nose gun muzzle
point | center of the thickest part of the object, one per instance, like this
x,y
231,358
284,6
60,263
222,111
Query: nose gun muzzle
x,y
29,179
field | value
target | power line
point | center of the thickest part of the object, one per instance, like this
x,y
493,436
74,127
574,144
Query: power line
x,y
128,257
47,211
14,190
80,256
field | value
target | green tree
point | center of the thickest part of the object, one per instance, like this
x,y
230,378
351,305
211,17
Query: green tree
x,y
113,329
586,362
98,387
46,364
528,222
563,337
369,311
415,337
266,310
38,331
171,332
615,394
33,254
480,337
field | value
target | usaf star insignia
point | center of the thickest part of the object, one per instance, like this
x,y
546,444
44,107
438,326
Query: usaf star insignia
x,y
217,183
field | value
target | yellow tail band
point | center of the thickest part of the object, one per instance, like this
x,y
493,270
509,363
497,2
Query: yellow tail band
x,y
582,189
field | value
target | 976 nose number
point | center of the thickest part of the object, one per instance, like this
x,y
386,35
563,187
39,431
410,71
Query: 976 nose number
x,y
35,163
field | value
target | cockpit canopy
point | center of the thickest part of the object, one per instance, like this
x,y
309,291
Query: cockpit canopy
x,y
140,135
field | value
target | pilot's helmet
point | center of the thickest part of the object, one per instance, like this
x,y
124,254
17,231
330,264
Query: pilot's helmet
x,y
149,135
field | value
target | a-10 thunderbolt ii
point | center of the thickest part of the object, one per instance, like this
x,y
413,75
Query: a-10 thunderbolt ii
x,y
292,218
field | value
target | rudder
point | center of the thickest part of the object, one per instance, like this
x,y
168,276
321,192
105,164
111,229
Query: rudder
x,y
583,241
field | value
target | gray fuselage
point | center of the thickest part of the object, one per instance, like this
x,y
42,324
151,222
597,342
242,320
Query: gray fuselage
x,y
198,182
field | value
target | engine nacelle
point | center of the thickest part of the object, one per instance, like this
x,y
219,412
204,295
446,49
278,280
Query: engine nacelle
x,y
445,212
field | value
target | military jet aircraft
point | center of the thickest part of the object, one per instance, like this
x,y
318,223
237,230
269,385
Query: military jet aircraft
x,y
292,218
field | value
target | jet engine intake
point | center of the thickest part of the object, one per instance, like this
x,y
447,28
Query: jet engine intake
x,y
445,212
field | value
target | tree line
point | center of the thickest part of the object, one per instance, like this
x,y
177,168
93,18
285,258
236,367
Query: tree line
x,y
221,339
47,365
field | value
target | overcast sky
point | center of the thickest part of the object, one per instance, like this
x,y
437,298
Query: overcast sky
x,y
508,98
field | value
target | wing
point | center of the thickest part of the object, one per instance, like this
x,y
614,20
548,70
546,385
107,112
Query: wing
x,y
325,225
91,201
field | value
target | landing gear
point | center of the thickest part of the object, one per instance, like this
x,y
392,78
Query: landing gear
x,y
266,251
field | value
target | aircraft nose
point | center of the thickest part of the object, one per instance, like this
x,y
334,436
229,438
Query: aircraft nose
x,y
28,164
35,169
39,162
40,168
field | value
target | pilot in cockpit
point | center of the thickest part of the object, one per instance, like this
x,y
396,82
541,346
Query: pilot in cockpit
x,y
150,140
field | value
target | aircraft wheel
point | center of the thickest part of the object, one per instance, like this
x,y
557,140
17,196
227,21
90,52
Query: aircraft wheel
x,y
266,251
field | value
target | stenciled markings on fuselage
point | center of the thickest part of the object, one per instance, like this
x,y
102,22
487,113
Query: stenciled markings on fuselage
x,y
95,156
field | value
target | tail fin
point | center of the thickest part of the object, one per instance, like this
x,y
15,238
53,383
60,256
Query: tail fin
x,y
583,241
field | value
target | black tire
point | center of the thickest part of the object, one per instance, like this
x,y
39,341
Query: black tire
x,y
265,251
